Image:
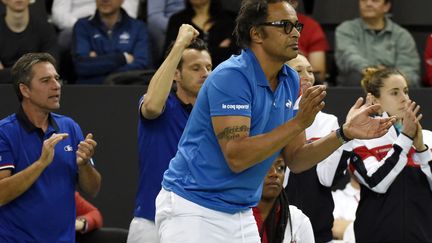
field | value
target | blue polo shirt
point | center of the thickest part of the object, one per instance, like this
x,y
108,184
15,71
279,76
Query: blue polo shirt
x,y
46,211
157,144
237,87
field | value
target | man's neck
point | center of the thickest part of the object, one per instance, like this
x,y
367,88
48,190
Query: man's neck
x,y
111,19
36,116
375,23
17,21
270,66
186,97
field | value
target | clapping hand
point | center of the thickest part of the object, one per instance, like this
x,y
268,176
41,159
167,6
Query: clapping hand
x,y
47,154
86,150
310,104
411,125
410,119
361,125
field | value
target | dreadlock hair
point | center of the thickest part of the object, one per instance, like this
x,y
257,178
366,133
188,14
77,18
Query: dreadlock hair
x,y
276,223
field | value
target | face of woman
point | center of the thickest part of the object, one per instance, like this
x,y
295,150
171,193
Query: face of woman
x,y
304,70
273,182
393,96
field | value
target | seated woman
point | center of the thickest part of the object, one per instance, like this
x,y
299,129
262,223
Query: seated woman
x,y
277,220
394,170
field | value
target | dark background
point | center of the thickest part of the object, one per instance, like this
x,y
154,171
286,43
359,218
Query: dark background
x,y
110,113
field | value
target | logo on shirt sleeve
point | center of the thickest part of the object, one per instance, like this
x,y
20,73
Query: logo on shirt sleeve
x,y
297,103
288,104
235,107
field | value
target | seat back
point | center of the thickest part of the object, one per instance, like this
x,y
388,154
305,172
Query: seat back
x,y
103,235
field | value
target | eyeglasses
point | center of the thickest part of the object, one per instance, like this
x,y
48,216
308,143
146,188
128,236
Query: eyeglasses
x,y
286,24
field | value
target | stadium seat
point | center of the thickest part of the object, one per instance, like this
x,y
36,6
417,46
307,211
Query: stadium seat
x,y
103,235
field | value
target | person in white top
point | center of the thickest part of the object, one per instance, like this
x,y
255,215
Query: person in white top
x,y
345,206
394,171
314,185
277,220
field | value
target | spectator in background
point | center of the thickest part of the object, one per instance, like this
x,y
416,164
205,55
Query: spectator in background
x,y
65,13
21,33
277,220
109,42
428,61
88,217
313,44
163,116
214,24
158,15
314,185
374,40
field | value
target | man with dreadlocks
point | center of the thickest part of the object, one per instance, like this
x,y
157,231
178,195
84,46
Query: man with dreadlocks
x,y
242,119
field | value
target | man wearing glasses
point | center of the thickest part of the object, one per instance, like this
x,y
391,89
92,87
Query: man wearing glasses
x,y
242,119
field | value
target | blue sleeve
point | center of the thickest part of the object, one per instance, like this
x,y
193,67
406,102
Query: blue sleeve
x,y
92,66
6,155
229,94
140,49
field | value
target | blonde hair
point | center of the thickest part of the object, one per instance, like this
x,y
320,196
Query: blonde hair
x,y
373,79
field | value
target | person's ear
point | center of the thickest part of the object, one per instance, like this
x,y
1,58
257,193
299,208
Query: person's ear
x,y
256,34
177,75
387,6
25,90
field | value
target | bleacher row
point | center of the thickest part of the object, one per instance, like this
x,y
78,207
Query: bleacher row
x,y
414,15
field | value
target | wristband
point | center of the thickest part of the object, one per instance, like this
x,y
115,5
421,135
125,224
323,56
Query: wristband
x,y
341,136
421,151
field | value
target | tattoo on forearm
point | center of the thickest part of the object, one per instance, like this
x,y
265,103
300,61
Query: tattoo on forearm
x,y
231,133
